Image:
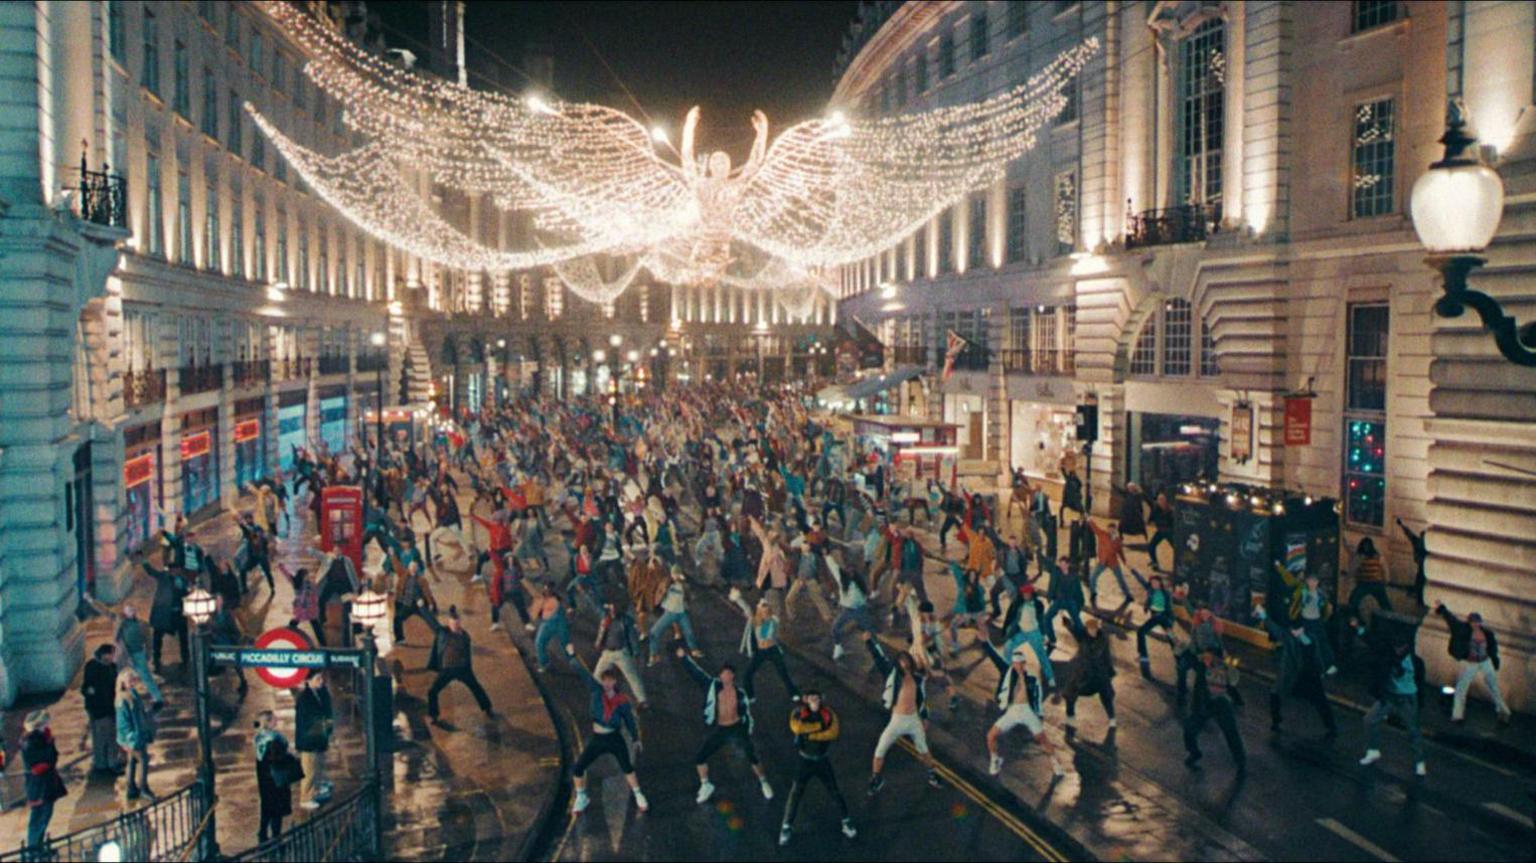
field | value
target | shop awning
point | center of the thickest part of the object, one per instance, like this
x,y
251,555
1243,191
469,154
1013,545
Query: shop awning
x,y
880,383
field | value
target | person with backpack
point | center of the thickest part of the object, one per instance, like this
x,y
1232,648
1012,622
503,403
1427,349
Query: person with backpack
x,y
275,777
1476,649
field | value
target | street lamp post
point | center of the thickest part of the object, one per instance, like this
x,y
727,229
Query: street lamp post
x,y
1457,205
198,607
368,608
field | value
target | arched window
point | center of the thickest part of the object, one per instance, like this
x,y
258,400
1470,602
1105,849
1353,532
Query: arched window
x,y
1209,367
1144,355
1177,326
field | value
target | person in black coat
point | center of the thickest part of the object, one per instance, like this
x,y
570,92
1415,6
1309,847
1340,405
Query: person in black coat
x,y
276,798
313,719
165,616
44,786
99,686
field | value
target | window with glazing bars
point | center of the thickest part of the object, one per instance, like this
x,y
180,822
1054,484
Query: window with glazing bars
x,y
978,232
1375,150
303,262
149,75
1066,212
116,30
1177,335
946,54
1016,246
1018,329
1068,333
211,235
236,235
258,241
1046,324
210,104
1069,111
1202,94
323,275
183,218
1144,354
1209,367
183,83
1365,417
1369,14
235,112
901,87
946,257
153,200
979,41
920,254
282,247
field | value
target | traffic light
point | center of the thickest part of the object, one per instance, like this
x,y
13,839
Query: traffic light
x,y
1087,423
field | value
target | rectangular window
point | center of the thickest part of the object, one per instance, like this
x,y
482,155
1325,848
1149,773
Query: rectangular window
x,y
298,91
258,241
1017,246
1365,418
156,208
279,72
258,52
920,71
280,169
303,257
979,40
1177,331
978,234
236,235
1018,329
946,258
1045,347
235,112
885,98
282,247
920,254
1370,14
258,151
323,276
183,219
360,280
946,55
117,36
1200,115
901,87
342,274
232,26
211,235
320,108
1066,212
1068,338
1375,151
210,105
149,76
1069,111
1018,19
183,91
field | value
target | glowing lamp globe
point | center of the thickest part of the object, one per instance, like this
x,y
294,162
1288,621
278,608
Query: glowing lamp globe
x,y
199,606
369,607
1456,207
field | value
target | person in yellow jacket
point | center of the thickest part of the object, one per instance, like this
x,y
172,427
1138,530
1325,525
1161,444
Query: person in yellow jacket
x,y
816,728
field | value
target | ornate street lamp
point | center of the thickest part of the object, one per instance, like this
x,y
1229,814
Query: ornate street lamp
x,y
368,608
1456,208
198,607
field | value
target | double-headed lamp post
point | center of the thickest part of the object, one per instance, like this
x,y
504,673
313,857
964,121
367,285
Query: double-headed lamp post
x,y
368,608
1456,208
377,339
199,607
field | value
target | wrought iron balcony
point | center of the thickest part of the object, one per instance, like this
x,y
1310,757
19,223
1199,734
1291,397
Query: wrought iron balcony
x,y
103,197
333,364
1191,223
251,373
910,355
1024,361
143,387
201,379
973,358
372,362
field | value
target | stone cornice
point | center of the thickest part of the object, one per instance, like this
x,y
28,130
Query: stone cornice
x,y
905,26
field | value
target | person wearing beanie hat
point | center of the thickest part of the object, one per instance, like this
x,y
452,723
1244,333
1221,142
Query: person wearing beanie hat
x,y
44,785
452,660
1475,648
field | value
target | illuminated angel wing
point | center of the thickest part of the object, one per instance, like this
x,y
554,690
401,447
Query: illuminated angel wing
x,y
833,191
578,168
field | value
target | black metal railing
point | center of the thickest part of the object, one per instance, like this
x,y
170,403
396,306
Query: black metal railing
x,y
251,373
910,355
143,387
333,364
201,379
1024,361
103,197
167,829
1190,223
292,368
346,831
972,358
372,362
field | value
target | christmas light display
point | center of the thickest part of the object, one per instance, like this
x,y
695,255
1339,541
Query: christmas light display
x,y
824,193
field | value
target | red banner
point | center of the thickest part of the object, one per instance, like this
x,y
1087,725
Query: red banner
x,y
137,471
1298,422
247,430
194,445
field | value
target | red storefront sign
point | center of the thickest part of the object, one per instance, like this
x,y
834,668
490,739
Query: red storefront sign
x,y
194,445
247,430
1298,422
137,471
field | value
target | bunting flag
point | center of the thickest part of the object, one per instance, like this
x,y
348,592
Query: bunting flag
x,y
952,349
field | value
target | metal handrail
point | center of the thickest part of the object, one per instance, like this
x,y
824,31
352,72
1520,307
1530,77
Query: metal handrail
x,y
103,196
346,831
197,836
1187,224
161,831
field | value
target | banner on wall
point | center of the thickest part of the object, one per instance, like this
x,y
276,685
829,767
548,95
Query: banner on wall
x,y
138,470
1298,421
194,445
1242,432
247,430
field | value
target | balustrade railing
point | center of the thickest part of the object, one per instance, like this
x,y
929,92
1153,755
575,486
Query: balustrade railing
x,y
103,197
143,387
1187,224
196,379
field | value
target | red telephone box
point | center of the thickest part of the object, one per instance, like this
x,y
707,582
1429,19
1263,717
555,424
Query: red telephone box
x,y
341,522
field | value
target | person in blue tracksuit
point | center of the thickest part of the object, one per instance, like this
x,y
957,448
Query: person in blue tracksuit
x,y
612,715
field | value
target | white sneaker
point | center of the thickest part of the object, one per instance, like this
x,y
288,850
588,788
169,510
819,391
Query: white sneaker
x,y
995,766
581,802
1421,769
767,790
310,805
784,834
1332,669
1111,723
706,789
528,627
1057,768
1371,757
496,627
641,803
848,828
837,652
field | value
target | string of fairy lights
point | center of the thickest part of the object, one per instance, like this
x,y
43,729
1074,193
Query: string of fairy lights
x,y
826,192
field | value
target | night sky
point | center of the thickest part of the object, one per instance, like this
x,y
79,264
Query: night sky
x,y
728,57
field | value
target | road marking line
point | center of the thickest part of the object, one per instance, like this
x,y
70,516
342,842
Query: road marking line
x,y
1511,814
1357,840
1007,818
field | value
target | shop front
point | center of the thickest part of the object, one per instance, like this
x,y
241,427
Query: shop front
x,y
199,459
141,483
1042,427
291,425
333,419
915,449
969,412
250,442
1167,450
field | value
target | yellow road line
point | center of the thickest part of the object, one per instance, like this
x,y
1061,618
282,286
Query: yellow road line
x,y
1008,819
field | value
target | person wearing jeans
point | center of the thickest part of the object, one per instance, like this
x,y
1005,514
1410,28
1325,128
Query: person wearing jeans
x,y
1110,550
619,643
1395,680
1159,608
553,626
44,786
1476,650
674,609
1026,615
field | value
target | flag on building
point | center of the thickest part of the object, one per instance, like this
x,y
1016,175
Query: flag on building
x,y
952,349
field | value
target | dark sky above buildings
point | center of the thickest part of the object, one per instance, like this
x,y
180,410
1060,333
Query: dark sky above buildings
x,y
728,57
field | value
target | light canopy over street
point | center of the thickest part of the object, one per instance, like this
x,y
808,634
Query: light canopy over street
x,y
435,430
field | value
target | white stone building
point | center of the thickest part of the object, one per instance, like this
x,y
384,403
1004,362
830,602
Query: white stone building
x,y
1218,220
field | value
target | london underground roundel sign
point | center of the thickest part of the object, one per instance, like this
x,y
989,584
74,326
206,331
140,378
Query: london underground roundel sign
x,y
283,640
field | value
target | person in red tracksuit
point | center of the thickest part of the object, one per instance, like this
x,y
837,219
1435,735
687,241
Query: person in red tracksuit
x,y
500,543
